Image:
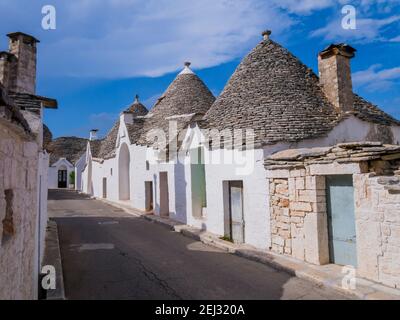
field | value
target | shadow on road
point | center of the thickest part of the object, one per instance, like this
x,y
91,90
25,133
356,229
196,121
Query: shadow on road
x,y
65,194
111,255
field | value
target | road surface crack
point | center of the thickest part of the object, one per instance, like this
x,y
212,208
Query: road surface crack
x,y
152,276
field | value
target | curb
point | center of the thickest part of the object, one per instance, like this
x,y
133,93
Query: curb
x,y
329,276
52,256
366,290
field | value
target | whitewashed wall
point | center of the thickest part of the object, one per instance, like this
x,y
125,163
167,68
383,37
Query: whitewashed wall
x,y
53,172
79,167
255,186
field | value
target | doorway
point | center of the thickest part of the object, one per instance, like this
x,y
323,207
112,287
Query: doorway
x,y
198,182
164,196
341,220
149,195
124,172
235,211
62,178
104,188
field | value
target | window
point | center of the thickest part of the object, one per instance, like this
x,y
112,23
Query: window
x,y
147,165
111,171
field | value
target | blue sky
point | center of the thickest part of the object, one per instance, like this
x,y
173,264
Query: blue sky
x,y
104,52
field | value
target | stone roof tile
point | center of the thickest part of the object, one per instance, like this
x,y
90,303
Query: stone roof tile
x,y
273,93
186,95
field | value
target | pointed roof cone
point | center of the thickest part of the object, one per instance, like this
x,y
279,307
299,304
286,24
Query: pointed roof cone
x,y
275,94
137,108
187,94
186,69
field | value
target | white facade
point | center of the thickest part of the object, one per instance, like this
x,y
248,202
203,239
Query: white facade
x,y
79,167
110,179
55,171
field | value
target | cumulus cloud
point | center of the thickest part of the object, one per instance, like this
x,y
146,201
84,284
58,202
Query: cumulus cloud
x,y
125,38
375,78
367,30
395,39
303,6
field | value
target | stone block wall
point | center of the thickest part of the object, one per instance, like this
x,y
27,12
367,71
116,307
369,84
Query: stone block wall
x,y
298,217
18,213
377,210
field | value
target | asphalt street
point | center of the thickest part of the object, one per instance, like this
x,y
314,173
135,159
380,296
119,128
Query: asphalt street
x,y
109,254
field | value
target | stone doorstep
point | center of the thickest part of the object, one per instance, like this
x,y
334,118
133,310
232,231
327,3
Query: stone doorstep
x,y
52,256
326,275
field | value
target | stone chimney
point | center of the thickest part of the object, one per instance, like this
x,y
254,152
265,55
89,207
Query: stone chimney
x,y
93,134
22,76
7,64
335,75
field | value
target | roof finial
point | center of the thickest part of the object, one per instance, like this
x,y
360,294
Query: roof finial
x,y
136,98
186,69
266,34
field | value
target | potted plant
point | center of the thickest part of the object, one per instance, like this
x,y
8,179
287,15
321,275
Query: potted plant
x,y
71,180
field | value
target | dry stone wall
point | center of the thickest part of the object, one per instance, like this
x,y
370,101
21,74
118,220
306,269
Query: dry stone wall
x,y
377,206
298,216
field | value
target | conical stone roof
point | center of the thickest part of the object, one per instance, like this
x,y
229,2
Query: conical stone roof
x,y
185,96
275,94
137,108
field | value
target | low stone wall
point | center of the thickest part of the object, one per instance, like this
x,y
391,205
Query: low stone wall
x,y
299,223
18,203
377,208
298,212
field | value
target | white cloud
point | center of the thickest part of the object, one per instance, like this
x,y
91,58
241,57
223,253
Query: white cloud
x,y
304,6
375,78
367,30
125,38
395,39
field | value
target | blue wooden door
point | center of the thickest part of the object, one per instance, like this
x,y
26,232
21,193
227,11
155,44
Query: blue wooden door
x,y
341,220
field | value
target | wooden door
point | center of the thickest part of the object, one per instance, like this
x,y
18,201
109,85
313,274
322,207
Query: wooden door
x,y
341,220
62,178
236,211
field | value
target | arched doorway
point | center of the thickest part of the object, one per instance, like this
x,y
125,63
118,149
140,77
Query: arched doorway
x,y
123,172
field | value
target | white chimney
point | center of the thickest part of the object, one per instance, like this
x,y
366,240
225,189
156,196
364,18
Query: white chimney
x,y
93,134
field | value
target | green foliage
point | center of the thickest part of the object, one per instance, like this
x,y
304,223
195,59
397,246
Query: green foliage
x,y
226,238
72,177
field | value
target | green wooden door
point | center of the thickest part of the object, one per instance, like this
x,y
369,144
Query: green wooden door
x,y
341,220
